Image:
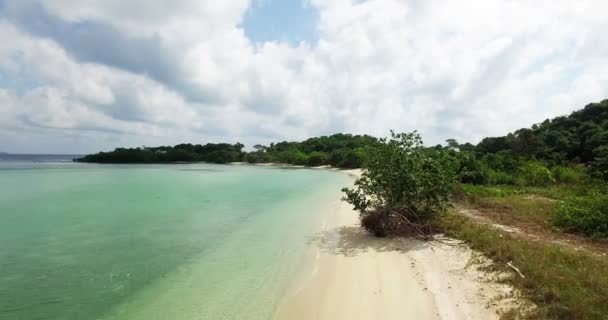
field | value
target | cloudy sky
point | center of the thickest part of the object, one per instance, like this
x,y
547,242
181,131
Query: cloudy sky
x,y
83,76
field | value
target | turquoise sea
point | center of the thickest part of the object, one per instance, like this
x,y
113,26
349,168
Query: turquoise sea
x,y
183,241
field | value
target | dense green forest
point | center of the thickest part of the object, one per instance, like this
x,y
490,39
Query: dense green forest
x,y
338,150
566,145
211,152
565,149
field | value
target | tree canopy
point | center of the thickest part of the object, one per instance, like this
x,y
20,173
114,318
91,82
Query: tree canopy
x,y
211,152
338,150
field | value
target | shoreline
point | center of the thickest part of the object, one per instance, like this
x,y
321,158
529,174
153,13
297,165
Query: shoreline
x,y
349,274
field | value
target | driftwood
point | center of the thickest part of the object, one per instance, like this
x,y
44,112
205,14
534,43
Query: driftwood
x,y
516,269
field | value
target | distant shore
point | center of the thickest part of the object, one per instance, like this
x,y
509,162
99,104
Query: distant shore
x,y
351,275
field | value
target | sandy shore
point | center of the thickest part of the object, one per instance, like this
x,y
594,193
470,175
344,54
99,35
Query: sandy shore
x,y
352,275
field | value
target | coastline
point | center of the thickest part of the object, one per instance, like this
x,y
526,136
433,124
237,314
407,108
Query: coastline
x,y
349,274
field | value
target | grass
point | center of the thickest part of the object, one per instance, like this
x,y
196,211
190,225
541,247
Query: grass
x,y
563,283
513,206
556,191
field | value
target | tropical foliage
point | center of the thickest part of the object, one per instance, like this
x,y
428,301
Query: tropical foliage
x,y
211,152
338,150
586,214
404,187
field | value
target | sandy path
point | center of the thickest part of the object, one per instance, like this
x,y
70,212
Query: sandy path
x,y
355,276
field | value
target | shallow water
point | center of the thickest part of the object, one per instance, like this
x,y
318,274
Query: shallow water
x,y
192,241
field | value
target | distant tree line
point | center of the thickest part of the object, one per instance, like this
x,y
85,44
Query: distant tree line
x,y
338,150
211,152
559,150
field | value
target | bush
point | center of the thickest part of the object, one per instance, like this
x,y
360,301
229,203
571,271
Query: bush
x,y
569,175
317,158
496,177
470,169
534,174
347,158
404,188
586,214
599,166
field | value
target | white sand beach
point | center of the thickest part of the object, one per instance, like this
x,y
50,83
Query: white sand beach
x,y
352,275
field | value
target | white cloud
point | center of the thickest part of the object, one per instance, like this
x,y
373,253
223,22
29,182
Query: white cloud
x,y
463,69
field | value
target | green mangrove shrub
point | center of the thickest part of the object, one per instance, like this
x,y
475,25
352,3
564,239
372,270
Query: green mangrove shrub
x,y
404,187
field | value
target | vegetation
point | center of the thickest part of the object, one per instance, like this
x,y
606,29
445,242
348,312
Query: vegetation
x,y
563,283
578,139
511,207
338,150
567,151
211,152
541,181
586,214
404,188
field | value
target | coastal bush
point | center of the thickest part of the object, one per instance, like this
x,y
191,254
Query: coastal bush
x,y
569,174
405,187
497,177
586,214
317,158
347,158
534,173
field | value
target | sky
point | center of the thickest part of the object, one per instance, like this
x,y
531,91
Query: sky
x,y
85,76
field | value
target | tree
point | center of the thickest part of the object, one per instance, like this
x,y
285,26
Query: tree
x,y
260,148
453,144
317,158
599,166
404,188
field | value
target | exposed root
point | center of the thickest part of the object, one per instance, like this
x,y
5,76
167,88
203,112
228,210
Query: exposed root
x,y
402,222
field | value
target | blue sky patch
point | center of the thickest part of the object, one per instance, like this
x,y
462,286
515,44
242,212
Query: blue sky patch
x,y
289,21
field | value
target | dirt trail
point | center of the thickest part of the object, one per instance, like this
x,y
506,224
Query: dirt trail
x,y
565,240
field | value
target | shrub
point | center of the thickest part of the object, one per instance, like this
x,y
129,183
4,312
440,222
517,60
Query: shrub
x,y
599,166
586,214
317,158
299,158
534,174
404,188
570,174
495,177
470,169
347,158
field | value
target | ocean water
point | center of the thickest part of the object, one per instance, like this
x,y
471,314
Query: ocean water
x,y
187,241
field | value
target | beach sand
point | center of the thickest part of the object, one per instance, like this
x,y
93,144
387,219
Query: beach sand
x,y
352,275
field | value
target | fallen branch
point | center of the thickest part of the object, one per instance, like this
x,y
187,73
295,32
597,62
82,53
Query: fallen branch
x,y
516,269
